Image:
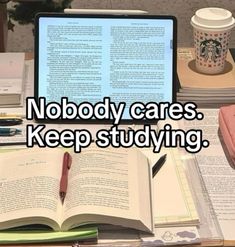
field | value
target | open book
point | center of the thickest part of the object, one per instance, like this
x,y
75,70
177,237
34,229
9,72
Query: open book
x,y
105,186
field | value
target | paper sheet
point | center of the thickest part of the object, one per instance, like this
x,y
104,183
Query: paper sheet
x,y
217,174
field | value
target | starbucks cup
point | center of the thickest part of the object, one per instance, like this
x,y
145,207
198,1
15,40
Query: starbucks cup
x,y
212,31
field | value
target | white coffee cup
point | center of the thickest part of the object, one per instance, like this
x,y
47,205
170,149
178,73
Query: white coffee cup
x,y
212,32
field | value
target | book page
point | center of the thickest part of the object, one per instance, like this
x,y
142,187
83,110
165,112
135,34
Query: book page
x,y
137,52
218,175
29,186
106,182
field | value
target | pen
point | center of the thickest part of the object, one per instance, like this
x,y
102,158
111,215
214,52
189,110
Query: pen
x,y
67,161
9,131
156,168
5,121
132,127
11,115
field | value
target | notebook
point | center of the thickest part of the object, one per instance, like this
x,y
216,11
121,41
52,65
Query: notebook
x,y
86,57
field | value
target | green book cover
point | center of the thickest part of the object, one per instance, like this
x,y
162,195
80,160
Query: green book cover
x,y
44,236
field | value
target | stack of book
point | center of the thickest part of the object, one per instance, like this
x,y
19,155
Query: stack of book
x,y
11,79
204,90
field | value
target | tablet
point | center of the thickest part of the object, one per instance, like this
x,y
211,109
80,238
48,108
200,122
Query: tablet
x,y
86,58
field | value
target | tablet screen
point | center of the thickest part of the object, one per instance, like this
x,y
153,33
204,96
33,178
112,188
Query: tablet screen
x,y
86,58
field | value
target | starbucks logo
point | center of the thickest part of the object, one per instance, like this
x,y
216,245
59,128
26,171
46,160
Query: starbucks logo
x,y
210,50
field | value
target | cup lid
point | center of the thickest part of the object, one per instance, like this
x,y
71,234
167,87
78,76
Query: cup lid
x,y
213,18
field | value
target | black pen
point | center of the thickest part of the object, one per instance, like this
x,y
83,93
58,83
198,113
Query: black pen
x,y
10,121
158,165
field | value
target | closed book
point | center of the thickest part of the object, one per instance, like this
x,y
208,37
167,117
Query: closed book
x,y
11,78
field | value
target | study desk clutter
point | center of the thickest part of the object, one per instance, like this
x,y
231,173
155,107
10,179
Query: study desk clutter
x,y
206,163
